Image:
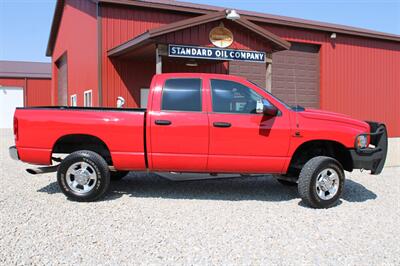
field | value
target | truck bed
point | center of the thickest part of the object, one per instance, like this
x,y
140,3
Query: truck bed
x,y
121,130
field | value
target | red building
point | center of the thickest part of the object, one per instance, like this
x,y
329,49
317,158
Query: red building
x,y
23,84
106,49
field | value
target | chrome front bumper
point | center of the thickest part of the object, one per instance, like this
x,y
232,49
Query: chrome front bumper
x,y
13,153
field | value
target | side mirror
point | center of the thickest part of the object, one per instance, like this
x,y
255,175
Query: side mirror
x,y
264,107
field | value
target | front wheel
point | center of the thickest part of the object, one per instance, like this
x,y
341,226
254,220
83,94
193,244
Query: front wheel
x,y
321,182
83,176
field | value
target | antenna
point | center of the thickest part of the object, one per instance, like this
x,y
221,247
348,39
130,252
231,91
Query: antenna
x,y
295,98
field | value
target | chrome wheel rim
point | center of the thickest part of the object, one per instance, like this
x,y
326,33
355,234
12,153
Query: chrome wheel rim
x,y
327,184
81,177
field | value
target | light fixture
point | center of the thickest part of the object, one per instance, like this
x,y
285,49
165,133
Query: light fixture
x,y
191,63
333,35
232,14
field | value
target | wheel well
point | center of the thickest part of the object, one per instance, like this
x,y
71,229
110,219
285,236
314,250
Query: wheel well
x,y
76,142
311,149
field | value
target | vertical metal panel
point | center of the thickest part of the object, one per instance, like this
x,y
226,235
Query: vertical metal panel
x,y
126,77
38,92
77,35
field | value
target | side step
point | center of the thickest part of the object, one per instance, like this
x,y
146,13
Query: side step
x,y
42,170
173,176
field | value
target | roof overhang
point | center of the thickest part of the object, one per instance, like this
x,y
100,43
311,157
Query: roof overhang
x,y
149,36
198,9
21,69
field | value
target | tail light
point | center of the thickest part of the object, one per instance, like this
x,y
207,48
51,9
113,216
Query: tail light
x,y
15,128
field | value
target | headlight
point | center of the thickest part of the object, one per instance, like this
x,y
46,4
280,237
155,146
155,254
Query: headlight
x,y
361,141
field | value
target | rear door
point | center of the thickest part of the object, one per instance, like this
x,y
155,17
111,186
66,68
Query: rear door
x,y
178,125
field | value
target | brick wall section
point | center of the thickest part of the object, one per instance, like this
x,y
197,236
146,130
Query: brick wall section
x,y
255,72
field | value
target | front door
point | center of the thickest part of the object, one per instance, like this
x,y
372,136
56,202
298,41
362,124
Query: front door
x,y
179,127
241,140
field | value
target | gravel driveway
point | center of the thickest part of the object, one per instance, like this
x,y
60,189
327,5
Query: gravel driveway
x,y
148,220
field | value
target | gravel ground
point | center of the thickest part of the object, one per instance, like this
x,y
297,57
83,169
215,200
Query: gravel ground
x,y
148,220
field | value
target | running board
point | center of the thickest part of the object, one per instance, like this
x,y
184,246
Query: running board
x,y
173,176
42,170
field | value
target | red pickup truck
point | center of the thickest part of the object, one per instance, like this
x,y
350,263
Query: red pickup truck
x,y
199,123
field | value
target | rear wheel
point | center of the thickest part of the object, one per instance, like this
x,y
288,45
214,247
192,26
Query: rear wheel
x,y
83,176
118,175
321,182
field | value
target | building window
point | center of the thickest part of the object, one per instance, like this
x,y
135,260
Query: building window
x,y
182,95
87,97
232,97
74,100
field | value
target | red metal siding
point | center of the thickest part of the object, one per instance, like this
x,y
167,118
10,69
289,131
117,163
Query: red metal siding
x,y
36,91
77,36
359,76
244,39
124,77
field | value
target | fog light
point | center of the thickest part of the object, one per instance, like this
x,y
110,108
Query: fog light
x,y
362,141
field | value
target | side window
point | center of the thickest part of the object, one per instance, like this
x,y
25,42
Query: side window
x,y
182,95
232,97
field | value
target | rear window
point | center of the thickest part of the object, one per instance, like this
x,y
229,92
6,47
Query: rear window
x,y
182,95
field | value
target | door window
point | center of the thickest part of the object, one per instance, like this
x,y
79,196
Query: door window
x,y
232,97
182,95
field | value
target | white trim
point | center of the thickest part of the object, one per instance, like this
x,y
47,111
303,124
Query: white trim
x,y
85,93
76,100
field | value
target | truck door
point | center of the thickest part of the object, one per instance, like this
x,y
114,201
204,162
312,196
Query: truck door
x,y
178,126
241,140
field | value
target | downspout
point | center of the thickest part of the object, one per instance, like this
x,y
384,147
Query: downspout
x,y
99,56
26,92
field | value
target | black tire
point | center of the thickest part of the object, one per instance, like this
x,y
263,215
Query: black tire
x,y
118,175
98,166
307,184
286,182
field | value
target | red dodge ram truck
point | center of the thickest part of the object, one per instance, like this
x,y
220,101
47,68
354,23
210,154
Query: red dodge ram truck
x,y
199,123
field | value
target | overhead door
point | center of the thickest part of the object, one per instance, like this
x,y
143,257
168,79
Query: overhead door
x,y
62,81
10,98
295,75
255,72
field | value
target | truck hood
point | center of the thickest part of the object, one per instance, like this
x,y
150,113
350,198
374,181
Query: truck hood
x,y
334,117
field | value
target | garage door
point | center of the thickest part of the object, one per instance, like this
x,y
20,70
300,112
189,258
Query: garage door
x,y
297,70
10,98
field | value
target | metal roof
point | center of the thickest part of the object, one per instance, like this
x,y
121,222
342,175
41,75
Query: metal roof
x,y
277,43
205,9
19,69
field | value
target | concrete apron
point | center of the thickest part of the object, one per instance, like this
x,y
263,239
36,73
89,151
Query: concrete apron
x,y
393,156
